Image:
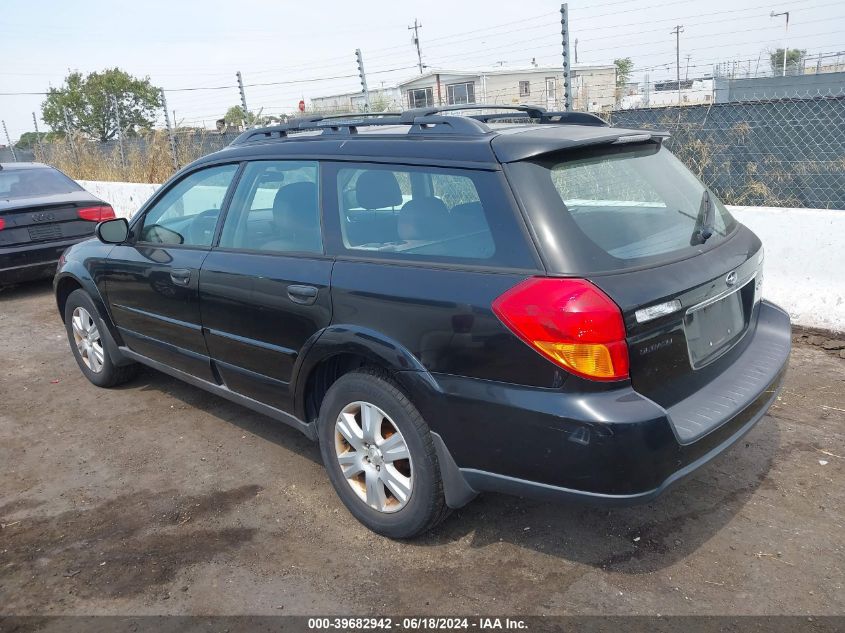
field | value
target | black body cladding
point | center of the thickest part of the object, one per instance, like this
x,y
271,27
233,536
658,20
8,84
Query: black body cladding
x,y
272,330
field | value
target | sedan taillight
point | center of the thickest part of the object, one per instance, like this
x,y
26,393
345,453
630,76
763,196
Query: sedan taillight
x,y
2,224
96,214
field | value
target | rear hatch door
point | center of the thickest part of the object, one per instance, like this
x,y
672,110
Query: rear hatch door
x,y
635,222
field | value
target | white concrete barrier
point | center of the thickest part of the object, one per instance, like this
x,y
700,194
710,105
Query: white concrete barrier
x,y
125,197
804,270
805,252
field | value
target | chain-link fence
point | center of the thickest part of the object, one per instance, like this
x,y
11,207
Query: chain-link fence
x,y
782,152
776,152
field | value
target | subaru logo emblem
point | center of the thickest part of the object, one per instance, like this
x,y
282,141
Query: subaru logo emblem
x,y
731,278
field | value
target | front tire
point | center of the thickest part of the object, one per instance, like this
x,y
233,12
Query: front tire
x,y
91,347
380,456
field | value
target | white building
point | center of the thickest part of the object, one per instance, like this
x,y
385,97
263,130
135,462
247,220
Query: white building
x,y
381,99
593,87
665,93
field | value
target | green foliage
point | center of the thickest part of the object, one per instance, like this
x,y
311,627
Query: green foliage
x,y
88,104
234,117
794,59
28,140
624,66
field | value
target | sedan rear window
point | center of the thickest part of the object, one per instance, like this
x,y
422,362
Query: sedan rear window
x,y
28,183
629,205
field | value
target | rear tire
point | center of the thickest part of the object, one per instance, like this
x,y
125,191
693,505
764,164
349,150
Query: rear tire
x,y
91,348
397,491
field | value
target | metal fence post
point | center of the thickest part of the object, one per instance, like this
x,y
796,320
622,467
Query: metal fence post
x,y
169,131
243,97
69,135
363,76
38,138
9,141
564,33
119,132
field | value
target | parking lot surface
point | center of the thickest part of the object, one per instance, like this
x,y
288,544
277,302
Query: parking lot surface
x,y
159,498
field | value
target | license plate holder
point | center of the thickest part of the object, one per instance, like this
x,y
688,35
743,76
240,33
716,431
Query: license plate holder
x,y
714,327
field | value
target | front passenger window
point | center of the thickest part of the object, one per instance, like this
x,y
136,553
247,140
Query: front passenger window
x,y
187,214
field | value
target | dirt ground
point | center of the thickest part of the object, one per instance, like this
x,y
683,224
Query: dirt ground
x,y
159,498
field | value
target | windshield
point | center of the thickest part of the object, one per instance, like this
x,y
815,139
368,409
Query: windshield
x,y
634,204
28,183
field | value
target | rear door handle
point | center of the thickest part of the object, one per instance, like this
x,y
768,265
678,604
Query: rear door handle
x,y
306,295
181,276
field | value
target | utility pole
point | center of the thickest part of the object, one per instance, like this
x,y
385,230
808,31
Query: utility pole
x,y
119,131
416,29
564,34
677,31
9,141
38,137
363,76
785,36
686,73
169,131
243,96
647,90
576,50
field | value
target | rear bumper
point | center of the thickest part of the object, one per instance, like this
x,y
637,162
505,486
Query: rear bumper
x,y
32,261
615,446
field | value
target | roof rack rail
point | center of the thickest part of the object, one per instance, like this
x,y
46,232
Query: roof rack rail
x,y
428,120
530,111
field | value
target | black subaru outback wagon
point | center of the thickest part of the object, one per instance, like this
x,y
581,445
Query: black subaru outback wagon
x,y
448,304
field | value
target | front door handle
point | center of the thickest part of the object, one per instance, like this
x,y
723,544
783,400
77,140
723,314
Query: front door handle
x,y
181,276
306,295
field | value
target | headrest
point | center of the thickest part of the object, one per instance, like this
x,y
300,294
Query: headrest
x,y
378,189
297,198
423,219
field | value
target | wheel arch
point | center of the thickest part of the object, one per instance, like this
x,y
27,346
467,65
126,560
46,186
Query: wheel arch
x,y
74,276
339,349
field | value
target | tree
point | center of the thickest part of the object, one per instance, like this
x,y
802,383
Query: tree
x,y
794,59
88,103
29,139
624,66
235,117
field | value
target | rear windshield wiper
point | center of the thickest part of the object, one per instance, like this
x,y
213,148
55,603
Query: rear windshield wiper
x,y
706,220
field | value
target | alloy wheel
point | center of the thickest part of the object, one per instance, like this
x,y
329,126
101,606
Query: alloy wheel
x,y
373,457
86,336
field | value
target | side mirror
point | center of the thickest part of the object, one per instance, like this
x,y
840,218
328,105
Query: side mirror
x,y
112,231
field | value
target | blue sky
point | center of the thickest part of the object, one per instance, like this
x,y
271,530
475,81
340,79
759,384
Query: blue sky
x,y
189,44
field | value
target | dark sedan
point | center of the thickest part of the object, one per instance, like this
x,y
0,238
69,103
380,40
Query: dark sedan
x,y
42,212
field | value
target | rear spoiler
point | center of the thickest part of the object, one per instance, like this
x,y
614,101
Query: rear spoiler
x,y
534,142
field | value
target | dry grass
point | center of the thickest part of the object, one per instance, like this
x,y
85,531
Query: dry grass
x,y
148,159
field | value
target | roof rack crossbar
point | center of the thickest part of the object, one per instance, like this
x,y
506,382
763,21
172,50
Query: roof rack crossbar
x,y
426,120
534,112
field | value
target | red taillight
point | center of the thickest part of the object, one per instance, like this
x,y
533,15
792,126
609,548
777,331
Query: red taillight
x,y
570,322
2,224
96,214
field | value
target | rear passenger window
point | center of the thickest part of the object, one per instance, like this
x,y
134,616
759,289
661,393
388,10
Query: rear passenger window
x,y
275,208
412,212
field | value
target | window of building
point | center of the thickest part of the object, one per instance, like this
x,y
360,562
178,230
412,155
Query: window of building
x,y
420,97
460,93
524,88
